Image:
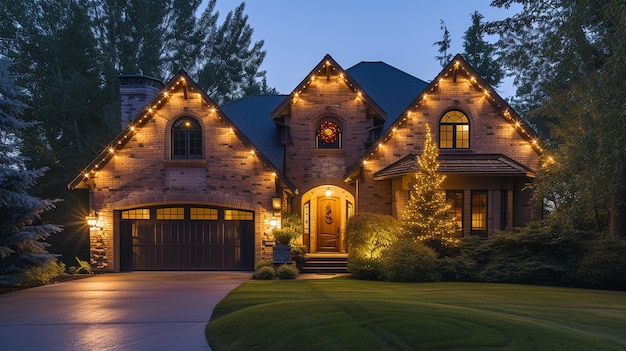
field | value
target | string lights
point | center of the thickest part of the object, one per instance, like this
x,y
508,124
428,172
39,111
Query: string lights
x,y
517,122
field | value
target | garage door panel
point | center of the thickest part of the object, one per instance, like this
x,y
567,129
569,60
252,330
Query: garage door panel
x,y
187,244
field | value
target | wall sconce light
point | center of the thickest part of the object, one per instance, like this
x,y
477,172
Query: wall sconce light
x,y
328,192
276,203
93,221
273,223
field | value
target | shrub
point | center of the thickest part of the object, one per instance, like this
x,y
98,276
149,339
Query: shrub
x,y
44,274
83,267
604,266
364,268
287,271
265,272
409,261
263,263
369,234
298,255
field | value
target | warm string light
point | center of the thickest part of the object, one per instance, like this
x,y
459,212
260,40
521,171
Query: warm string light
x,y
534,142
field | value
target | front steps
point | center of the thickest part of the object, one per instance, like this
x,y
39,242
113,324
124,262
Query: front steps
x,y
321,263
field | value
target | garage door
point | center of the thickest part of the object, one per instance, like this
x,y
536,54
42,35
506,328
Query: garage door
x,y
186,238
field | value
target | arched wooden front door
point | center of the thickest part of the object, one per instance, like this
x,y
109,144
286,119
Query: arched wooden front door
x,y
328,224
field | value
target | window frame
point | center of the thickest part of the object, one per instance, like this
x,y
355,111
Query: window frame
x,y
192,140
452,129
479,210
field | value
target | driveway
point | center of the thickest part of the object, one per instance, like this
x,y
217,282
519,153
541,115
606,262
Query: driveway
x,y
117,311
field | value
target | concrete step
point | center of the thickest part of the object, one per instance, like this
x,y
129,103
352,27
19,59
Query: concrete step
x,y
322,265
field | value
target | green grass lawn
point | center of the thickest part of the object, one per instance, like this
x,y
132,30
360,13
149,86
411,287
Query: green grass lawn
x,y
346,314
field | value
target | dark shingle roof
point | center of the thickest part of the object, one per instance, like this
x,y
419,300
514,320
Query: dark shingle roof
x,y
251,115
466,164
392,89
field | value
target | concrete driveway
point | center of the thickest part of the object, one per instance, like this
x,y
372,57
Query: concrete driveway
x,y
120,311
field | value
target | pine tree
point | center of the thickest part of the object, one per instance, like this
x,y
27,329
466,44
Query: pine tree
x,y
444,45
480,54
425,217
22,237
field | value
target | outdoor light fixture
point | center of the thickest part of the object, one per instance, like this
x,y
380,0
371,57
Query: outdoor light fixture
x,y
276,204
328,192
93,221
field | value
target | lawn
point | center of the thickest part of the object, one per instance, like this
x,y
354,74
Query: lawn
x,y
347,314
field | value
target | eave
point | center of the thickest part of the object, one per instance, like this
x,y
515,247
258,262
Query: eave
x,y
328,62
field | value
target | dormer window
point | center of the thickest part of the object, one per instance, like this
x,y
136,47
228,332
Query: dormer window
x,y
328,135
454,131
186,139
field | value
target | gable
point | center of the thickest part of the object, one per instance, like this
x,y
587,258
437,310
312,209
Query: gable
x,y
462,88
180,96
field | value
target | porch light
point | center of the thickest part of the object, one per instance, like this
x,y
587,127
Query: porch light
x,y
276,203
93,221
328,192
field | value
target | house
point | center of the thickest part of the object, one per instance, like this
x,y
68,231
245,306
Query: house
x,y
188,185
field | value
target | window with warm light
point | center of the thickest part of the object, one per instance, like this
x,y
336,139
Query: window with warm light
x,y
186,139
454,131
455,199
479,213
328,135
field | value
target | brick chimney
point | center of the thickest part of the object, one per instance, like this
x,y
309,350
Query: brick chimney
x,y
136,91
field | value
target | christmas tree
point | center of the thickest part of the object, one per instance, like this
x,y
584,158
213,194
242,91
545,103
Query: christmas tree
x,y
22,234
426,214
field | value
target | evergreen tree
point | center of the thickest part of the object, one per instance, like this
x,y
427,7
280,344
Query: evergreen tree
x,y
568,60
22,237
425,217
479,53
444,56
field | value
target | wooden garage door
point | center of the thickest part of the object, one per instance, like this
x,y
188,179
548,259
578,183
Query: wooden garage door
x,y
186,238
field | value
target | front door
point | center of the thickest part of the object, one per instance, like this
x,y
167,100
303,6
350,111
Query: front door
x,y
328,224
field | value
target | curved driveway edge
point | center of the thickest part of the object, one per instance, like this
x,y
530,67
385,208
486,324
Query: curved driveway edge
x,y
116,311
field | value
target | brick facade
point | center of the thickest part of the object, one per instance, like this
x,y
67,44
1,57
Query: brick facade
x,y
138,169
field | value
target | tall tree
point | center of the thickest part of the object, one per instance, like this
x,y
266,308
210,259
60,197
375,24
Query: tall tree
x,y
480,54
443,45
229,61
22,236
568,57
425,217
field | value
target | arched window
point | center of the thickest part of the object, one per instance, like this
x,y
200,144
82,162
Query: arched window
x,y
186,139
328,135
454,131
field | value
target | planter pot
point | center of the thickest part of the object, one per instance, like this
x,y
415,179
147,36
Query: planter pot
x,y
281,254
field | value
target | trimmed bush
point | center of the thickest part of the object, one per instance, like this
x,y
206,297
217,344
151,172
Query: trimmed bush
x,y
42,275
604,266
369,234
364,268
410,261
263,263
265,272
287,271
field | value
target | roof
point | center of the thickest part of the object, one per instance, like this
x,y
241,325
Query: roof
x,y
392,89
329,63
252,116
181,79
465,164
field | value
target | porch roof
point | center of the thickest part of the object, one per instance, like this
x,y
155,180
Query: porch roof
x,y
460,164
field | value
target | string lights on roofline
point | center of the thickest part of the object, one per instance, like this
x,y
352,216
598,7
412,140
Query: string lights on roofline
x,y
133,128
519,125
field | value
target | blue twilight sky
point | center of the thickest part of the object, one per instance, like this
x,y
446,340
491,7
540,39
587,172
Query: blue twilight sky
x,y
298,33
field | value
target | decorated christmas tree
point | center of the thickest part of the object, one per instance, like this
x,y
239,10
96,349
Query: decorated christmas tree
x,y
426,214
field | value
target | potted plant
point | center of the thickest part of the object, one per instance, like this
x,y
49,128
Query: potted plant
x,y
282,249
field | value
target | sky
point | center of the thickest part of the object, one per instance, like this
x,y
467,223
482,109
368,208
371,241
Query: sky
x,y
401,33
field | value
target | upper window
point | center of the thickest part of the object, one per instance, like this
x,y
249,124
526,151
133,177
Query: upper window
x,y
454,131
328,135
186,139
